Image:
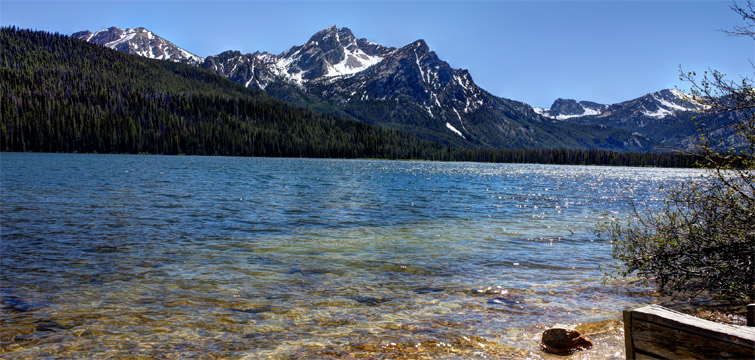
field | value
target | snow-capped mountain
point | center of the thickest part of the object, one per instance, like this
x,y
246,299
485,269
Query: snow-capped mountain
x,y
412,73
139,41
563,109
657,105
670,117
338,69
329,54
431,92
408,88
252,70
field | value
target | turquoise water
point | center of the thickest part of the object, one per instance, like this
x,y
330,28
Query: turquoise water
x,y
201,257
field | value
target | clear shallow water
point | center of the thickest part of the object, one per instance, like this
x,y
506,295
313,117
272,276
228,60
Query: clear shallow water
x,y
157,256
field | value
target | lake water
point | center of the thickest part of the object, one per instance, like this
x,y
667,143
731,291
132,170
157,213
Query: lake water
x,y
226,257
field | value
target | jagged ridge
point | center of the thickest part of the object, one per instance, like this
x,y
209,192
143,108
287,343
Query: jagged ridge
x,y
408,88
139,41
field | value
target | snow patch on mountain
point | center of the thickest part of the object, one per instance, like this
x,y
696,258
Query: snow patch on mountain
x,y
355,61
282,67
568,109
660,113
125,36
669,105
139,41
656,105
455,131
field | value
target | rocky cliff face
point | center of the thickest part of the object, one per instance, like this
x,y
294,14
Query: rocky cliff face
x,y
563,109
408,88
330,53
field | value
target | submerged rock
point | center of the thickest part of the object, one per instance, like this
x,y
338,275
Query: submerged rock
x,y
51,325
428,290
564,341
255,310
14,304
371,301
600,327
316,271
435,346
508,300
490,290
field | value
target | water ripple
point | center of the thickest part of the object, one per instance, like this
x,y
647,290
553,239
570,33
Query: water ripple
x,y
152,256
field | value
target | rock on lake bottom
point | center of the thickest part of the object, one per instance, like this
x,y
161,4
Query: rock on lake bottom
x,y
120,255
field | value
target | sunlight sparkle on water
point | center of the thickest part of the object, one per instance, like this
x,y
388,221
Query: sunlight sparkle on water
x,y
116,255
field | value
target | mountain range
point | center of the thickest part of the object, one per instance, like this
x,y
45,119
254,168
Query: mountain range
x,y
411,89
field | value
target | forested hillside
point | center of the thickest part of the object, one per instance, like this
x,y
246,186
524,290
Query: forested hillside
x,y
59,94
63,95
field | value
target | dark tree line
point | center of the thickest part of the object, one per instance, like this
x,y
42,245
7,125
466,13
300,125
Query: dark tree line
x,y
59,94
581,157
63,95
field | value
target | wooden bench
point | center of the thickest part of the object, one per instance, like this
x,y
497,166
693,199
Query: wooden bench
x,y
654,332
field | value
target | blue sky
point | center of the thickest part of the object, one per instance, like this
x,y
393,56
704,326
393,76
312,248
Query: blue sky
x,y
532,51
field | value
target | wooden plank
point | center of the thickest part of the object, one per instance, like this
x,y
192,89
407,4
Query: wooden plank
x,y
641,356
628,345
654,332
736,335
664,342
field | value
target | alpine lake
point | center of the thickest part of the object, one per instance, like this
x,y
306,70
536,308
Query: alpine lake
x,y
135,256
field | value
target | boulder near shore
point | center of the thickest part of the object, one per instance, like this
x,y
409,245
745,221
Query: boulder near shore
x,y
564,341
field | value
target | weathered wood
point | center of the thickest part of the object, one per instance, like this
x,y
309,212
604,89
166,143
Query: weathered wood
x,y
656,332
670,343
628,334
641,356
725,332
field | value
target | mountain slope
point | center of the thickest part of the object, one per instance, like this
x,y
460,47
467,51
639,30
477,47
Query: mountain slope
x,y
410,89
413,90
657,105
670,117
139,41
58,94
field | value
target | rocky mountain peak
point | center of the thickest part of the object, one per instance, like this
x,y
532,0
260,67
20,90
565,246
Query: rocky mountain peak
x,y
566,107
331,52
563,109
409,88
653,106
330,30
139,41
82,34
420,46
333,35
105,37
